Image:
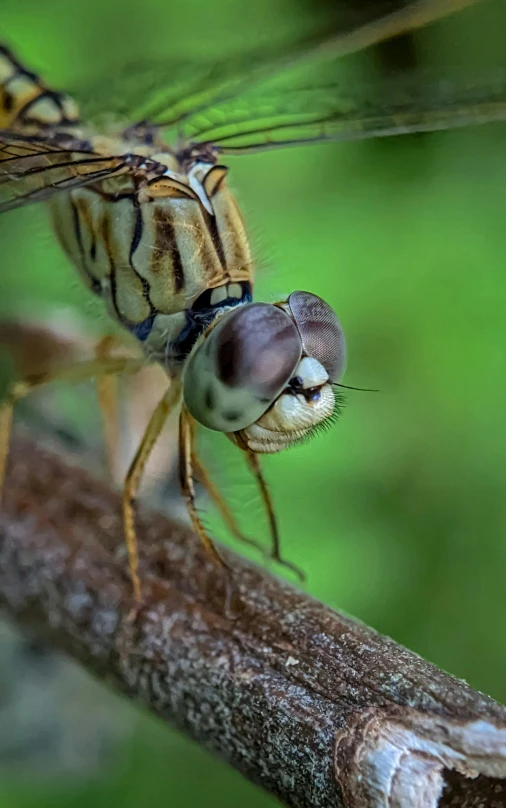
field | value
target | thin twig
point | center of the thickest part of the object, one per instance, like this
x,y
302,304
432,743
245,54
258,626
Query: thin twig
x,y
313,706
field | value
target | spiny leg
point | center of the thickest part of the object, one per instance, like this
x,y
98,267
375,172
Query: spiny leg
x,y
79,372
186,456
220,504
169,400
254,465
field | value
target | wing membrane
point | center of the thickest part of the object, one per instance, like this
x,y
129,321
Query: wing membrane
x,y
164,94
32,170
319,114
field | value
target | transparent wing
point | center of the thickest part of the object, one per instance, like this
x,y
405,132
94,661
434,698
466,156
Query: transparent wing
x,y
32,170
165,93
331,113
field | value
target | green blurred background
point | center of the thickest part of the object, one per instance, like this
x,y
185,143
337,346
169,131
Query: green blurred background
x,y
398,514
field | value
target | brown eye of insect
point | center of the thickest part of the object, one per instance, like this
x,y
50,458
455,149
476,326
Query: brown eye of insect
x,y
320,330
241,367
257,348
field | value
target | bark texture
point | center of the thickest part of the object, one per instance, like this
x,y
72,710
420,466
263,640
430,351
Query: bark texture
x,y
315,707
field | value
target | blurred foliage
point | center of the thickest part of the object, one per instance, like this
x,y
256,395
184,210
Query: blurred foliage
x,y
398,514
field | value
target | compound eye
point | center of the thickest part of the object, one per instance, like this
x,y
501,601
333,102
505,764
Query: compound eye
x,y
320,331
241,367
257,349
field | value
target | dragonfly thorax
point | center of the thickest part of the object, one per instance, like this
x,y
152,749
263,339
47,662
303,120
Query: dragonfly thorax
x,y
156,251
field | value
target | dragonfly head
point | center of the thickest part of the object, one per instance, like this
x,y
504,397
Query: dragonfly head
x,y
263,373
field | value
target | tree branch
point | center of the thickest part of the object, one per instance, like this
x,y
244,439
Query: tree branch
x,y
313,706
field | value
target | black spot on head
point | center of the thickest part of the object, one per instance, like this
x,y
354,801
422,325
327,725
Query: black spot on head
x,y
295,386
209,399
231,415
227,361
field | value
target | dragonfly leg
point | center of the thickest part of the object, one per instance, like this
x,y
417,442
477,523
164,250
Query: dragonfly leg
x,y
186,469
220,504
165,406
80,371
107,394
255,468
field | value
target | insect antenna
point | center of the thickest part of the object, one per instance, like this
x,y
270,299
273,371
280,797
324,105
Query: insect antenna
x,y
361,389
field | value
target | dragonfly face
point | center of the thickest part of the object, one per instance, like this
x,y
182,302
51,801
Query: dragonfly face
x,y
264,373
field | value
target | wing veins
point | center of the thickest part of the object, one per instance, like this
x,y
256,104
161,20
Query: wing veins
x,y
32,170
65,184
416,14
54,166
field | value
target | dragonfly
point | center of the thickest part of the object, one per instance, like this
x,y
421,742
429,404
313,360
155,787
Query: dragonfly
x,y
149,222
